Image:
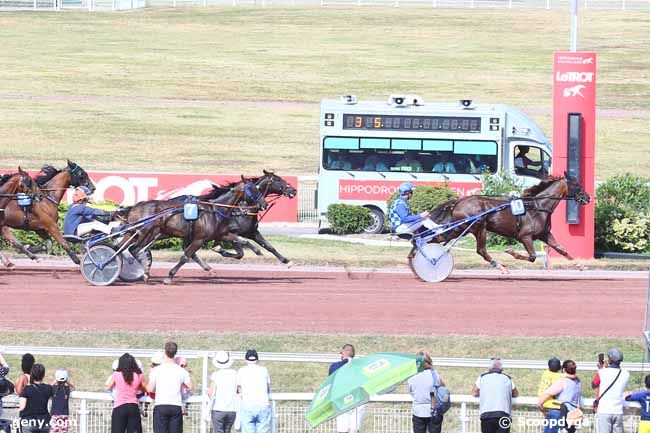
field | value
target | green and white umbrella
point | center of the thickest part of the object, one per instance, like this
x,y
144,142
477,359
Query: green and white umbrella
x,y
352,385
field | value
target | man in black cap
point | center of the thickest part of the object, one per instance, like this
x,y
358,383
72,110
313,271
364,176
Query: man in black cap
x,y
254,387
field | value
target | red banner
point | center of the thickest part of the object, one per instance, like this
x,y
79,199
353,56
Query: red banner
x,y
130,188
574,91
381,190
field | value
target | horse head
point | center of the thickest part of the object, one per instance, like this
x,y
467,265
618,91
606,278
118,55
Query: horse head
x,y
25,183
271,183
575,190
79,177
252,194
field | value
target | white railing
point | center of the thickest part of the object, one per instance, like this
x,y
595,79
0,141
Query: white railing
x,y
296,357
307,186
390,413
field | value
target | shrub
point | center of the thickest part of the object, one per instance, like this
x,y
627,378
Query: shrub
x,y
426,198
623,214
500,184
344,219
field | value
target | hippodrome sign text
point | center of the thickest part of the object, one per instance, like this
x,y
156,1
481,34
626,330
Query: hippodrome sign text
x,y
380,190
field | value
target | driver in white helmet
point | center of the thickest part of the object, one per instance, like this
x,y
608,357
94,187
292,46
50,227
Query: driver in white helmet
x,y
402,221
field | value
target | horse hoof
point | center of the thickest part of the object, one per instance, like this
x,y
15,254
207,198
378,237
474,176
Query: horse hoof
x,y
10,265
38,260
504,270
168,282
290,264
508,251
217,249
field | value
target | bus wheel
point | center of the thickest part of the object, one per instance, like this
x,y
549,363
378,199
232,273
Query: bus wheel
x,y
378,219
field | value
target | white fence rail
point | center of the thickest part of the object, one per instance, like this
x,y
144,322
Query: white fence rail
x,y
91,413
114,5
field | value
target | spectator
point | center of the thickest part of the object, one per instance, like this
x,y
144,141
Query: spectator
x,y
496,391
166,380
185,392
6,387
156,360
34,416
61,390
567,391
643,397
26,364
421,386
254,387
409,163
549,377
223,393
351,420
595,383
127,381
339,161
613,381
444,165
375,163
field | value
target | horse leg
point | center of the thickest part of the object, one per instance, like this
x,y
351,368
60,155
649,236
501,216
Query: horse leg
x,y
551,242
268,247
481,248
245,243
5,261
197,259
54,231
47,246
527,241
188,253
9,236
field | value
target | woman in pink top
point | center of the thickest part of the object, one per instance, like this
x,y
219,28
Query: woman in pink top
x,y
127,381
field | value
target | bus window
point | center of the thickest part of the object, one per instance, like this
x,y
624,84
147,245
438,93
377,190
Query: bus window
x,y
529,161
474,157
336,160
410,162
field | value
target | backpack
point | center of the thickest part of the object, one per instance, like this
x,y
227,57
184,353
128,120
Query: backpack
x,y
441,397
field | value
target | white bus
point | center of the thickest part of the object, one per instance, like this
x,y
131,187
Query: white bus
x,y
369,147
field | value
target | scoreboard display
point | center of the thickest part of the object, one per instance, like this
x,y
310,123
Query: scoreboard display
x,y
411,123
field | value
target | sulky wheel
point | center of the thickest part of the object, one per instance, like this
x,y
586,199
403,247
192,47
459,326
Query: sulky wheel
x,y
432,263
98,267
132,269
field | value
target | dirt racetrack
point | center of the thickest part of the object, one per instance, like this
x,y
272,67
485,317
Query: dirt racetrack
x,y
279,300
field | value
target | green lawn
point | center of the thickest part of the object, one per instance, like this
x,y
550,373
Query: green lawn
x,y
237,89
90,373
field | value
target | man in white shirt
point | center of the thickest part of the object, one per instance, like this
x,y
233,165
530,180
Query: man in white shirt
x,y
223,393
613,381
254,387
496,391
166,381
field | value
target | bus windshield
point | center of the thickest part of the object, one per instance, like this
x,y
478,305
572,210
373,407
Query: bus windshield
x,y
409,155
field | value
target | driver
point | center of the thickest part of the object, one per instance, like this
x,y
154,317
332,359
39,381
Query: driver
x,y
524,162
81,218
401,220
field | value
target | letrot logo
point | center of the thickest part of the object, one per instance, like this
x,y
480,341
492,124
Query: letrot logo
x,y
575,77
376,367
323,392
348,399
574,91
588,61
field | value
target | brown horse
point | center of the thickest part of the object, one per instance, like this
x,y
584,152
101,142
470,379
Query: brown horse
x,y
10,186
540,202
43,215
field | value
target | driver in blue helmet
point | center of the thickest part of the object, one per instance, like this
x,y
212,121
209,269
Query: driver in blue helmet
x,y
81,218
402,221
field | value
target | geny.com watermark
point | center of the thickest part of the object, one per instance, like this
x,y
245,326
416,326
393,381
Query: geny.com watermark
x,y
522,421
18,423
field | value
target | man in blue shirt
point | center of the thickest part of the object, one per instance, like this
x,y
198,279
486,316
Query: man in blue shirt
x,y
643,397
401,220
80,214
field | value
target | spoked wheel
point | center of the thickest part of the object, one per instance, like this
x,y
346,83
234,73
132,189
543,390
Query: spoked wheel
x,y
98,267
132,269
432,263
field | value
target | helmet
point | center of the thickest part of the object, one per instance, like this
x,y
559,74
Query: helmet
x,y
405,188
61,375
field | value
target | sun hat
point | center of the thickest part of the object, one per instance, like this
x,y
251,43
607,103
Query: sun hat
x,y
157,358
251,355
61,375
222,359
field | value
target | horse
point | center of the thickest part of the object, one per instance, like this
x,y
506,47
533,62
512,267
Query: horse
x,y
212,223
244,223
10,185
43,215
540,201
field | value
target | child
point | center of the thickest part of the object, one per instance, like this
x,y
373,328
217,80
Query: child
x,y
185,392
549,377
60,402
643,397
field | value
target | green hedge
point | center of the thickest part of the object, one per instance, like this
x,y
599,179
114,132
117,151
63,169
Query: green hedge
x,y
426,198
623,214
345,219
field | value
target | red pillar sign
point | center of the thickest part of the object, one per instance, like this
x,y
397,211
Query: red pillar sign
x,y
574,96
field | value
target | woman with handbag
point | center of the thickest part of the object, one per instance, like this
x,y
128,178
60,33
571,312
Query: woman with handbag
x,y
422,388
567,390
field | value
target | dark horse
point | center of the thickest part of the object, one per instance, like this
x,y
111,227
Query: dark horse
x,y
10,186
43,215
212,224
244,223
540,201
